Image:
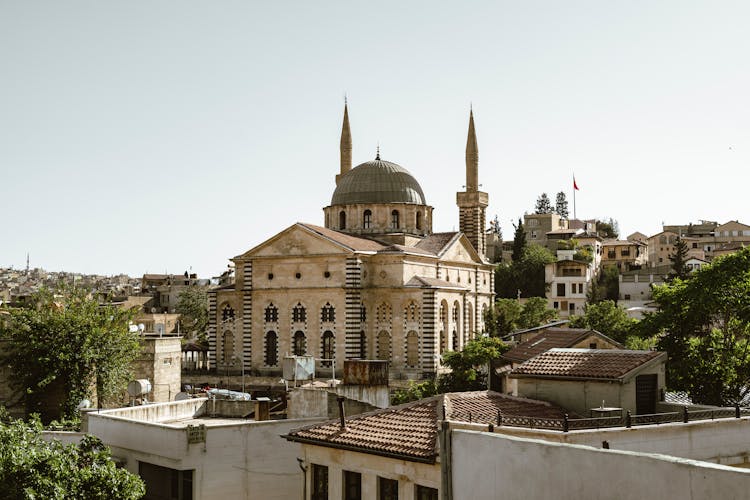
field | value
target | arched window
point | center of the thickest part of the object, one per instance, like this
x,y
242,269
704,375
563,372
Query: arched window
x,y
412,349
383,313
367,219
328,313
327,347
299,314
411,312
271,314
228,345
342,220
362,345
227,313
298,344
272,349
455,341
394,219
419,220
384,345
443,342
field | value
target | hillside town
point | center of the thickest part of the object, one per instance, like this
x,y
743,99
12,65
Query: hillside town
x,y
374,356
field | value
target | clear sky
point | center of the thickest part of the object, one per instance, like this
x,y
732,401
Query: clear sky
x,y
152,136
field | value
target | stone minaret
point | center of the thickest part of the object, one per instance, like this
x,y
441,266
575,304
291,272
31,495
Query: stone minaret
x,y
346,145
472,203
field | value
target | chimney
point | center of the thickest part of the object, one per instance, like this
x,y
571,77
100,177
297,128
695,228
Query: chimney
x,y
262,409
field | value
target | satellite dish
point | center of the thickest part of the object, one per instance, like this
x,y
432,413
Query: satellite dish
x,y
85,403
133,328
153,310
141,327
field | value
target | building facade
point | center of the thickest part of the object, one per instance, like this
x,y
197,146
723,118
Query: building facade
x,y
375,282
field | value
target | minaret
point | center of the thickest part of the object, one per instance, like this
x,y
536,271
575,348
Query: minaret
x,y
346,144
472,203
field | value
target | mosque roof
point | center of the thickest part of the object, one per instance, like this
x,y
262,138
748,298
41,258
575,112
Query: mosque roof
x,y
377,181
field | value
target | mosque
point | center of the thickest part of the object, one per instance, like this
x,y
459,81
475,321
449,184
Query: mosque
x,y
375,282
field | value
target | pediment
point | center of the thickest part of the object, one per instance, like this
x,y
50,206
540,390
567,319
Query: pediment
x,y
460,250
296,240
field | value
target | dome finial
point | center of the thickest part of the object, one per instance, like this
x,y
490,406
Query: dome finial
x,y
377,154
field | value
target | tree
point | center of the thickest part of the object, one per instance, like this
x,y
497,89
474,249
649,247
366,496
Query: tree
x,y
32,467
61,347
519,241
525,274
543,205
415,392
561,205
679,261
606,286
608,229
704,325
536,313
469,367
506,313
495,228
192,305
605,317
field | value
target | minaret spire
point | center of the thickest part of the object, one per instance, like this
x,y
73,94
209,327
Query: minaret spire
x,y
346,143
472,157
472,203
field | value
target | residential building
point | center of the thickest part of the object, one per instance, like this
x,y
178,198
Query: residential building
x,y
624,254
569,281
376,282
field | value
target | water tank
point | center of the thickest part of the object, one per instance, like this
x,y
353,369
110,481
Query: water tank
x,y
137,388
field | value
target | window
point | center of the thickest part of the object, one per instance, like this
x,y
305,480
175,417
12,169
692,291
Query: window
x,y
695,245
561,289
342,220
592,345
394,220
299,343
384,345
625,252
299,313
387,489
272,349
367,219
555,305
533,235
611,254
327,347
163,482
426,493
362,346
533,222
412,349
271,314
352,485
328,313
227,314
319,487
572,307
419,220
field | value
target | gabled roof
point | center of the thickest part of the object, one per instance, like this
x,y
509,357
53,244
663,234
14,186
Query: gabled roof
x,y
410,431
437,243
422,282
547,326
550,339
602,364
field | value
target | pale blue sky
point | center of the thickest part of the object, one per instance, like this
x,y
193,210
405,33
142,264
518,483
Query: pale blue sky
x,y
154,136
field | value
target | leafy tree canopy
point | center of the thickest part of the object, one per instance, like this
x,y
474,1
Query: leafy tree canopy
x,y
605,317
509,315
62,346
606,286
704,325
519,241
561,205
192,305
469,367
543,205
608,229
525,274
31,467
679,260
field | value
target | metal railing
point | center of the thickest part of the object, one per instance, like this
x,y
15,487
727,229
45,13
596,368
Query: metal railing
x,y
628,420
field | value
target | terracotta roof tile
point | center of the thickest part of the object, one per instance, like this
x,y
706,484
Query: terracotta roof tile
x,y
549,339
410,430
585,363
353,242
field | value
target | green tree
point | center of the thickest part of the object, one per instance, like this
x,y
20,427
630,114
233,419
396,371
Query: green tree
x,y
704,325
415,392
469,367
608,229
543,205
606,286
61,347
605,317
519,241
31,467
561,205
507,313
192,305
535,312
679,260
526,274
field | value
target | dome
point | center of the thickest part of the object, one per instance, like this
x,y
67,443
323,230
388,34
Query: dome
x,y
377,181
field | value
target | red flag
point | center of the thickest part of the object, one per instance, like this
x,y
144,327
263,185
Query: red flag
x,y
575,186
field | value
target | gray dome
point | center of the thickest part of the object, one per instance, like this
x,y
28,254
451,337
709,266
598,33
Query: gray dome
x,y
377,181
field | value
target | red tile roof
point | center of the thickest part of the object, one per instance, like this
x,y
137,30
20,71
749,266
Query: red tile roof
x,y
410,431
608,364
550,339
